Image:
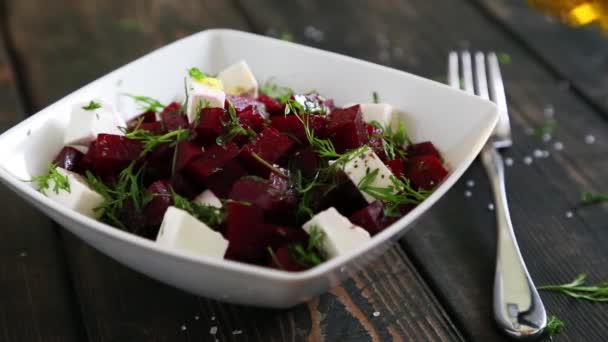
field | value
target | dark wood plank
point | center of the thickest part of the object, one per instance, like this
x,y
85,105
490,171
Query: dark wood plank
x,y
455,244
36,295
578,55
119,304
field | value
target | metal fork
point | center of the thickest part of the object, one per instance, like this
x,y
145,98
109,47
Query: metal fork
x,y
518,309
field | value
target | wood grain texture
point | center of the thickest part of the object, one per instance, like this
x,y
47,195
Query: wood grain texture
x,y
454,245
118,304
36,298
579,56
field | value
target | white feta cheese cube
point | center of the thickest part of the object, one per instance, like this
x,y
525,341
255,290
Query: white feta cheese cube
x,y
365,163
184,232
239,80
341,236
79,197
201,93
89,119
208,198
380,112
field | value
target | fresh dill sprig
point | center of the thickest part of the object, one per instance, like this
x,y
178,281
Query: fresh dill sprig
x,y
554,326
196,74
393,142
547,128
147,103
210,215
577,289
197,112
233,128
92,105
151,141
279,93
60,182
311,254
588,198
274,257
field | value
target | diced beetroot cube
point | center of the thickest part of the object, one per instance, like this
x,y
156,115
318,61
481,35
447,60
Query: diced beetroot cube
x,y
284,236
285,261
212,160
246,233
172,108
396,166
221,182
293,126
306,160
86,163
262,194
155,128
210,124
145,117
347,129
174,121
251,118
272,106
114,152
241,103
184,186
425,172
343,195
186,152
68,158
423,149
135,220
269,145
370,218
155,210
158,163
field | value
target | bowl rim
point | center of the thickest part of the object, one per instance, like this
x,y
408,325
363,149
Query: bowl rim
x,y
229,265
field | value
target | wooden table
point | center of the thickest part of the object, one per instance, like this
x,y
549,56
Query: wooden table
x,y
436,285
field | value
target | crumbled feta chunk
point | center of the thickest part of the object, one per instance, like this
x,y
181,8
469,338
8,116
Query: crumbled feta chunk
x,y
340,235
184,232
380,112
206,92
207,197
80,196
85,124
366,162
239,80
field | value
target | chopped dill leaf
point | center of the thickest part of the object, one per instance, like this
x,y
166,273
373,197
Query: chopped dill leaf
x,y
196,74
59,181
210,215
311,254
147,103
92,106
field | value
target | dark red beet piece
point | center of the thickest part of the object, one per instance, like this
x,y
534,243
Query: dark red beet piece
x,y
210,124
306,160
86,163
114,152
172,108
269,145
347,129
155,210
251,118
221,182
263,194
283,236
69,158
425,172
423,149
145,117
186,152
370,218
396,166
293,126
246,233
272,106
155,128
212,160
174,121
185,186
285,261
135,220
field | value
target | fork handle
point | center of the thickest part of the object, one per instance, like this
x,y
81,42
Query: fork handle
x,y
518,310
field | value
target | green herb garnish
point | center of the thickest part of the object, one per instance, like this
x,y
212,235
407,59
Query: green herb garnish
x,y
311,254
286,36
546,129
577,289
151,141
274,257
233,128
554,326
210,215
392,142
593,198
504,58
200,106
60,182
196,74
147,103
92,106
281,94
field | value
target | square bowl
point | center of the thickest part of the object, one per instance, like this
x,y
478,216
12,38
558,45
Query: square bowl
x,y
457,123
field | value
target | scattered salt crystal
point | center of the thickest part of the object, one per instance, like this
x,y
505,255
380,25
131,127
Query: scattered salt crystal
x,y
196,318
589,139
470,183
546,137
558,146
569,214
314,34
549,111
527,160
184,328
491,207
376,313
213,318
468,193
537,153
23,254
213,330
546,154
509,161
237,332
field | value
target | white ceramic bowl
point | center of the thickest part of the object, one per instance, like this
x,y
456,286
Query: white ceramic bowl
x,y
457,123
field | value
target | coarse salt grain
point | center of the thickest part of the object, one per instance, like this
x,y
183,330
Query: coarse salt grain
x,y
527,160
468,193
569,214
537,153
184,328
376,313
589,139
491,207
213,318
196,318
237,332
213,330
558,146
549,111
470,183
509,161
546,137
23,254
546,154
